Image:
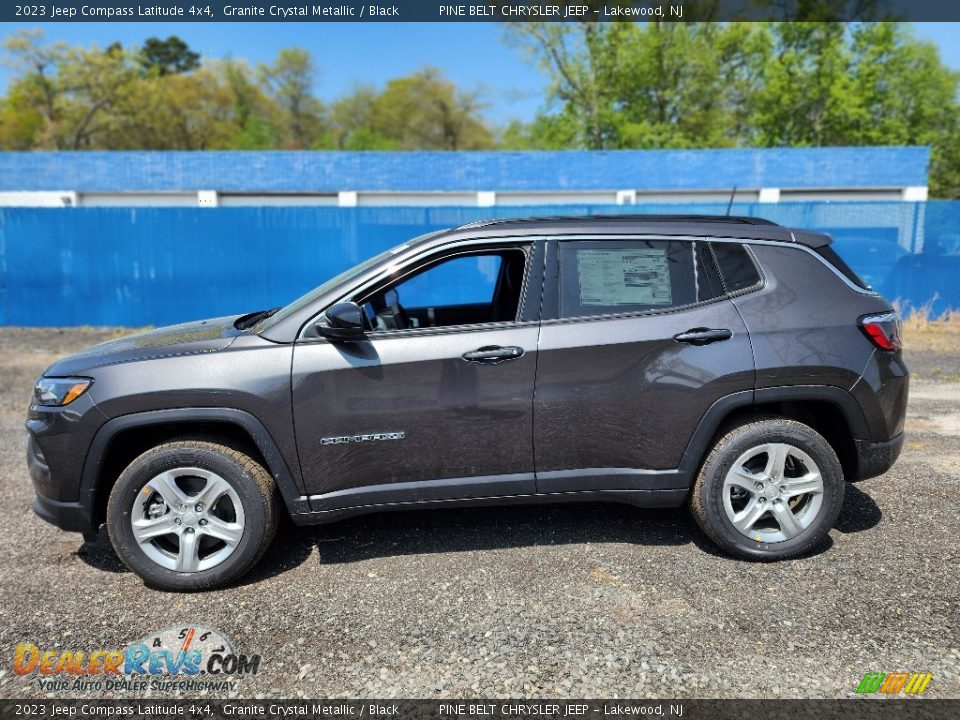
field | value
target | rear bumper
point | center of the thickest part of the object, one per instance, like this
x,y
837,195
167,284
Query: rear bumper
x,y
875,458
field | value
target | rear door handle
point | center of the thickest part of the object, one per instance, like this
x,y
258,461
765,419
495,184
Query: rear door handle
x,y
493,354
703,336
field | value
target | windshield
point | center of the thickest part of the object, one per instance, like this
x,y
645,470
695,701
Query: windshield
x,y
347,275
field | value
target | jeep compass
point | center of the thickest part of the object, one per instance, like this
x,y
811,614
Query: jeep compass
x,y
730,363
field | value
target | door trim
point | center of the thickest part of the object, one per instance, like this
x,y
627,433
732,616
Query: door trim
x,y
587,479
462,488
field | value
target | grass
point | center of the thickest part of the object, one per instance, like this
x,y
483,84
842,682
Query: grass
x,y
924,331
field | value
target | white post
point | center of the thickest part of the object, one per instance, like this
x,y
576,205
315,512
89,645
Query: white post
x,y
347,198
208,198
769,195
486,198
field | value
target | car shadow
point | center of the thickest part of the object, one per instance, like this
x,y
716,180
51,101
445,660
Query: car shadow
x,y
97,552
450,530
453,530
859,511
466,529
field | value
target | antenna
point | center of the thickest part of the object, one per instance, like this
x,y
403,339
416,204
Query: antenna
x,y
733,194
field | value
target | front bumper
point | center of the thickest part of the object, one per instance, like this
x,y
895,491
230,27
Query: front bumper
x,y
875,458
72,516
57,444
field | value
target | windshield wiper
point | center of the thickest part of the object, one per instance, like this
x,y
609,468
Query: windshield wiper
x,y
251,319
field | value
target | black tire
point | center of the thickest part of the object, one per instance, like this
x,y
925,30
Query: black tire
x,y
706,499
249,480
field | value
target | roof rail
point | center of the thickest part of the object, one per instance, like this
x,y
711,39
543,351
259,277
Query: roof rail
x,y
707,219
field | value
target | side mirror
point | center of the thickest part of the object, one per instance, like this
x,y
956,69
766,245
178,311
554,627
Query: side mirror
x,y
344,322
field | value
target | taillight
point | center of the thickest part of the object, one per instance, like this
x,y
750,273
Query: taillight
x,y
883,330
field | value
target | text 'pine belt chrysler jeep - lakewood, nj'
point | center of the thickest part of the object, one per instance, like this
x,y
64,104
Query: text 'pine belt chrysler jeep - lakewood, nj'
x,y
648,360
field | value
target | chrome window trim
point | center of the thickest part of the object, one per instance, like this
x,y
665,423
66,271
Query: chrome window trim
x,y
535,238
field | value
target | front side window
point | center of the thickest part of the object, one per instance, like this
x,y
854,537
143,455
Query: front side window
x,y
627,276
464,289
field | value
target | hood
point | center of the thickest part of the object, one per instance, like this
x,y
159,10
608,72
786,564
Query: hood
x,y
187,339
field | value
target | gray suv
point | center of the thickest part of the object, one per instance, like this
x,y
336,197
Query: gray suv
x,y
650,360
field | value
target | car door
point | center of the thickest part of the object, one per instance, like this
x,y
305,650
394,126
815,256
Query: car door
x,y
435,402
637,341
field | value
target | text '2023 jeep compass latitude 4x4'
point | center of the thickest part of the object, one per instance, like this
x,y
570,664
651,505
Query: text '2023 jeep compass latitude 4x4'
x,y
644,360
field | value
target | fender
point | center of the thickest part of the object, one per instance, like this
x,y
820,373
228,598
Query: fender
x,y
295,501
707,427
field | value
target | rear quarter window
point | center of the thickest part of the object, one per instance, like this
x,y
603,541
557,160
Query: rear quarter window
x,y
736,266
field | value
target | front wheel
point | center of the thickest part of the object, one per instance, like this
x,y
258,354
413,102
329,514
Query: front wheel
x,y
192,515
769,489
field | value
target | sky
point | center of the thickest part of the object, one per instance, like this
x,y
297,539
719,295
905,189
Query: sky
x,y
473,55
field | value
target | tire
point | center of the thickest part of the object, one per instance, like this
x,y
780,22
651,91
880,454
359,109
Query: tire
x,y
734,488
181,544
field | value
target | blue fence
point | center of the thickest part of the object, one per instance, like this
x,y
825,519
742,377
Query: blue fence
x,y
153,266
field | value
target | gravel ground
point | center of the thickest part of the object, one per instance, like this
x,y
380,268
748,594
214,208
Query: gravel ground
x,y
556,601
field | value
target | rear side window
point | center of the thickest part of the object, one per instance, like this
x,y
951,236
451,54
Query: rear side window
x,y
735,265
626,276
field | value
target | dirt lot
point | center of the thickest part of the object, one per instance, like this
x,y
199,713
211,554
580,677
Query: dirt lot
x,y
567,601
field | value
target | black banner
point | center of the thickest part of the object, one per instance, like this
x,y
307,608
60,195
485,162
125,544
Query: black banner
x,y
477,11
855,709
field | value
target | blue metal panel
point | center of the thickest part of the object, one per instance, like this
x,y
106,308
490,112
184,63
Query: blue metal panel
x,y
315,171
127,266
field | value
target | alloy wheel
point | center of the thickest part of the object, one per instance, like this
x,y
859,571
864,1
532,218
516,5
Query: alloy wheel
x,y
772,492
187,519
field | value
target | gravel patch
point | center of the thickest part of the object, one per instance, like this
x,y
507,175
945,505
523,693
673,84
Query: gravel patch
x,y
553,601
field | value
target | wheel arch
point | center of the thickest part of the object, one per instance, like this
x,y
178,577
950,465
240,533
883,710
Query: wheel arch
x,y
122,439
831,411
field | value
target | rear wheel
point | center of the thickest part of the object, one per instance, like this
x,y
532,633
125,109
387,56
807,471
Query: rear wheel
x,y
769,489
192,515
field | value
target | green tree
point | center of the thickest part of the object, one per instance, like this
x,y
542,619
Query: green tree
x,y
289,83
65,97
425,111
168,57
421,111
33,109
781,84
251,108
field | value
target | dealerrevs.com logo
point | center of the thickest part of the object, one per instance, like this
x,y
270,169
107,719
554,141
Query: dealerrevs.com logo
x,y
188,658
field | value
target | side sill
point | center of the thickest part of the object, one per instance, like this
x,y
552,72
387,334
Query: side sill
x,y
637,498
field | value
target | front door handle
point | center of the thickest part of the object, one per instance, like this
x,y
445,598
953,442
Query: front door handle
x,y
493,354
703,336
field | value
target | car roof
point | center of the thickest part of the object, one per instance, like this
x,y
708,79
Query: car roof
x,y
722,226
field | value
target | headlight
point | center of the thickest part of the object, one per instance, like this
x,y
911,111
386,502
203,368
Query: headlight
x,y
57,392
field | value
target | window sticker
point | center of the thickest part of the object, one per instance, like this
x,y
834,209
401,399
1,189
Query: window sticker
x,y
624,277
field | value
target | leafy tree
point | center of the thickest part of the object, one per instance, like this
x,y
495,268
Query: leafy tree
x,y
421,111
251,108
168,57
289,84
38,92
425,111
744,84
65,97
